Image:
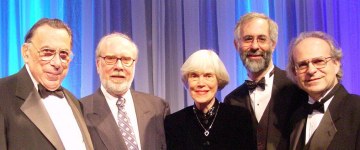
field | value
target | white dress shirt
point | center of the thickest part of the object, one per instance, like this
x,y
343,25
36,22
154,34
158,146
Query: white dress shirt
x,y
63,119
314,119
129,108
260,98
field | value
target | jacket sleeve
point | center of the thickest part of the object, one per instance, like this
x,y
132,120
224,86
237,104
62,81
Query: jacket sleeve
x,y
2,131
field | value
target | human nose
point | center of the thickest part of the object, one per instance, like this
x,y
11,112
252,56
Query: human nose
x,y
254,44
56,61
201,81
311,68
118,64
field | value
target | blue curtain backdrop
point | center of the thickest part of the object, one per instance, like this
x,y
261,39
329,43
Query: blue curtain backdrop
x,y
168,31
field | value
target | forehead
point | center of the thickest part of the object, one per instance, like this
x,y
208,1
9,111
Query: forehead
x,y
53,37
202,71
255,26
311,48
118,46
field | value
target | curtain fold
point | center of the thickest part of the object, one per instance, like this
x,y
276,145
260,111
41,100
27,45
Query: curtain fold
x,y
168,31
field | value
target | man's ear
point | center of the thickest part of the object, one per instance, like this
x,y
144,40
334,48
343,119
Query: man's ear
x,y
98,65
337,64
25,52
236,44
273,46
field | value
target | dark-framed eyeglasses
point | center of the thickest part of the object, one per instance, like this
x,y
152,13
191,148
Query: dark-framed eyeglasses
x,y
125,61
262,40
317,62
47,54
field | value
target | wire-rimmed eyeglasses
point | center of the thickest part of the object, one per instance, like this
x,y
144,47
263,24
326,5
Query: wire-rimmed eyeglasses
x,y
47,54
111,60
317,62
248,40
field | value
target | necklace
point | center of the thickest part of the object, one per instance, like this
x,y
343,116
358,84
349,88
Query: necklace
x,y
206,131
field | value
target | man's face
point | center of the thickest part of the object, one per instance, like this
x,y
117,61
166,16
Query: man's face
x,y
116,78
255,46
49,73
314,80
202,87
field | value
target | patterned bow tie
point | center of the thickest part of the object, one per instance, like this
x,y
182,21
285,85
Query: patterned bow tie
x,y
45,92
252,84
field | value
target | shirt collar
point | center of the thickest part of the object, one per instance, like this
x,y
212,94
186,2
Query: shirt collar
x,y
108,96
32,78
267,75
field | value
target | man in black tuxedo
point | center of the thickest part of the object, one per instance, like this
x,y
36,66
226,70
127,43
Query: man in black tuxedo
x,y
36,112
268,94
330,119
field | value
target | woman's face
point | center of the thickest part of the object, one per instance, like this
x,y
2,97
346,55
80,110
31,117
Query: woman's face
x,y
203,87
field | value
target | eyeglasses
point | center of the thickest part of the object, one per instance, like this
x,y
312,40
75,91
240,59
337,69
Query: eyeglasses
x,y
47,54
261,40
317,62
126,61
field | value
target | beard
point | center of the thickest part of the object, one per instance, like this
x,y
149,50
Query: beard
x,y
256,65
115,88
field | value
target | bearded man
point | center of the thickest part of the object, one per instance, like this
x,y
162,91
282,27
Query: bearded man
x,y
118,117
268,94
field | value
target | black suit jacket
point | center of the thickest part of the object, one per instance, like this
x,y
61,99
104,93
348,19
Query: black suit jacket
x,y
286,97
232,129
24,121
150,112
339,127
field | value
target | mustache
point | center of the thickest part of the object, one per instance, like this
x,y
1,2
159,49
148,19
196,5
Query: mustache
x,y
117,74
254,52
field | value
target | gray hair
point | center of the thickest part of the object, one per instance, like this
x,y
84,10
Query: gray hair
x,y
112,35
204,60
273,27
335,51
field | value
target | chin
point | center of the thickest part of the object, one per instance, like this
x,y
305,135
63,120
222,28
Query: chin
x,y
315,89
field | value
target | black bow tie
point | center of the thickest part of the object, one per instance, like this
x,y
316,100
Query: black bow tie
x,y
45,92
252,84
319,105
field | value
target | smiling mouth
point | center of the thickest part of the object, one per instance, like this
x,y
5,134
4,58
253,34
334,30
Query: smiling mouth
x,y
313,80
117,76
52,76
201,92
254,56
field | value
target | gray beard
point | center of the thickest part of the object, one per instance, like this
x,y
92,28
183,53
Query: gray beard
x,y
256,65
114,88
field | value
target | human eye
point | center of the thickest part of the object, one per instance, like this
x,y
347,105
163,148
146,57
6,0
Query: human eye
x,y
64,55
262,39
126,60
209,76
193,75
47,52
110,59
318,61
248,39
302,65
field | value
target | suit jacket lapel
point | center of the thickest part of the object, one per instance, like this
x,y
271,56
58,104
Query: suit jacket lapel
x,y
300,117
324,134
106,126
272,120
80,121
326,131
34,109
142,114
